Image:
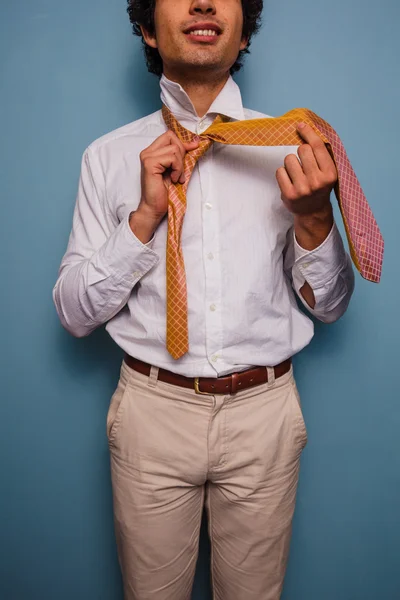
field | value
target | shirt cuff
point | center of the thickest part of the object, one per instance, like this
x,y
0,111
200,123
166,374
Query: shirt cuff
x,y
322,264
125,256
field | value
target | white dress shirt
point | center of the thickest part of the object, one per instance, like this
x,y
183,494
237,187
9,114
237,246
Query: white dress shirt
x,y
241,257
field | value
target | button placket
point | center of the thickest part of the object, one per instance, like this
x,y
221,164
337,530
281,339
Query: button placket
x,y
212,270
202,125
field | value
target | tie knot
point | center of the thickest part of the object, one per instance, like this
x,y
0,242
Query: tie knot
x,y
184,134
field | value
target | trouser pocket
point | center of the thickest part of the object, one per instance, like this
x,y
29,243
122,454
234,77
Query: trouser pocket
x,y
300,422
117,402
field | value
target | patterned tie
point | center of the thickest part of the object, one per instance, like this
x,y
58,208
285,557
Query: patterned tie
x,y
365,240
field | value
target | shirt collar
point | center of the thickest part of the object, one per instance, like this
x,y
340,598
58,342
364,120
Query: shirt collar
x,y
228,102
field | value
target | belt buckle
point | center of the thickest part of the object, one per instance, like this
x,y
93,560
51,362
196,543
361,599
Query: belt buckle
x,y
197,388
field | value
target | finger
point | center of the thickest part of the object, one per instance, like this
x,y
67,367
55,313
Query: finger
x,y
160,142
322,156
308,161
191,145
170,139
183,146
170,158
284,182
166,139
295,171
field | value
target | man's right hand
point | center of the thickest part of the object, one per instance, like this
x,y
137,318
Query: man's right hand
x,y
161,163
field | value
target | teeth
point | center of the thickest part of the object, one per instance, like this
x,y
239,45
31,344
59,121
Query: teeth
x,y
204,32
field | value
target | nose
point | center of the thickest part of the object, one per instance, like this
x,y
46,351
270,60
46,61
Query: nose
x,y
203,7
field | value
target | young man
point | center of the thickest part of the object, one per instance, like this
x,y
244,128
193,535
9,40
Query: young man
x,y
221,425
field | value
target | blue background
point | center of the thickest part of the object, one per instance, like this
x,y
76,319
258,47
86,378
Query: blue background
x,y
70,72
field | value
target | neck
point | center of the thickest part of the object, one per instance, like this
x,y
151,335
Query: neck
x,y
202,92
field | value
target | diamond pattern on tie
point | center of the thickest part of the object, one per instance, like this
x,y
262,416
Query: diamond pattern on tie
x,y
177,329
365,240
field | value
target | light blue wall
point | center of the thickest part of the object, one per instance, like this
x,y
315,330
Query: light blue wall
x,y
71,71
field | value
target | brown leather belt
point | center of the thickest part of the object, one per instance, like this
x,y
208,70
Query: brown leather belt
x,y
213,385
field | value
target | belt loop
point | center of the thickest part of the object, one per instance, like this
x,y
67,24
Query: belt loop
x,y
271,377
153,377
234,383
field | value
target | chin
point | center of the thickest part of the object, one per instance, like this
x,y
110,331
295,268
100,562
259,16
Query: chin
x,y
205,62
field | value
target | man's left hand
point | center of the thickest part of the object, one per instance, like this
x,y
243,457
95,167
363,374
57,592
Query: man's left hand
x,y
305,191
306,186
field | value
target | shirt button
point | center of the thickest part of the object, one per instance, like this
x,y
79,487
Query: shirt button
x,y
137,274
208,206
210,256
213,307
214,358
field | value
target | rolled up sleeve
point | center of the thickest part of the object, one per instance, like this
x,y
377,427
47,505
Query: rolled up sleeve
x,y
328,271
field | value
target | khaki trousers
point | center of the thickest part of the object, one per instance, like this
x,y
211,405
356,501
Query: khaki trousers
x,y
173,450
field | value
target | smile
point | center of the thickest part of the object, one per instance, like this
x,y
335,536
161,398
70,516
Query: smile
x,y
204,32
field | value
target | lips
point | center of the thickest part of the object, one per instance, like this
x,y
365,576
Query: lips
x,y
204,29
204,32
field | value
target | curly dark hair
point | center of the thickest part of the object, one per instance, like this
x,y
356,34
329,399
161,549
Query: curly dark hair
x,y
141,12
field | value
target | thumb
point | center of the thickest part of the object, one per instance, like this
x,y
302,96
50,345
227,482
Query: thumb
x,y
193,144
